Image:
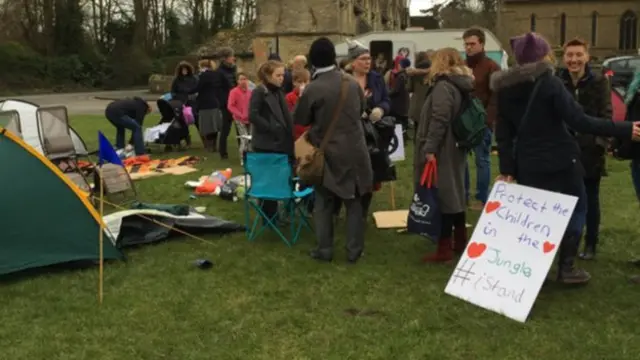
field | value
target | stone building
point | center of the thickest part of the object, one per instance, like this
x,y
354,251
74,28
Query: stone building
x,y
610,26
290,26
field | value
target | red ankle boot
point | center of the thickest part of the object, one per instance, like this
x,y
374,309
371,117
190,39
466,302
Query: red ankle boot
x,y
444,253
460,239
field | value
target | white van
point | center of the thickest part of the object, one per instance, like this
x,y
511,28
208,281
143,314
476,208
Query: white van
x,y
392,43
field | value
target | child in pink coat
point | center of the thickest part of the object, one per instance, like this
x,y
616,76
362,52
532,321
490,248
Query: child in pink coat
x,y
238,106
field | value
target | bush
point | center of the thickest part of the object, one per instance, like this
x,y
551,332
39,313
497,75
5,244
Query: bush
x,y
22,68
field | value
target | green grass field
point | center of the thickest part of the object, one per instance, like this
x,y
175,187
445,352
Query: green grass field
x,y
263,300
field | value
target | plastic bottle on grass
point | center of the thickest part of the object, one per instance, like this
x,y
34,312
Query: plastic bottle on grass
x,y
240,190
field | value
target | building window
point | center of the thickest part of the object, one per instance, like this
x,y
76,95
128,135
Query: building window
x,y
563,28
628,31
532,23
594,28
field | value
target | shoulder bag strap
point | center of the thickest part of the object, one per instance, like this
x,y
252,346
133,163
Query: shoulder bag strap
x,y
527,110
336,112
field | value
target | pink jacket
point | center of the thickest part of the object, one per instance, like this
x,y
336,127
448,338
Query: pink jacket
x,y
238,104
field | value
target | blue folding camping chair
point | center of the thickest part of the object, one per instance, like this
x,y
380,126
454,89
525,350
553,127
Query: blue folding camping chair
x,y
269,177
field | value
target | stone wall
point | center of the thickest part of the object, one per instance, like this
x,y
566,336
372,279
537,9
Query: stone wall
x,y
516,19
297,23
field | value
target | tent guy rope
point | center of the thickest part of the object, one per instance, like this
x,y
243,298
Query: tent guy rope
x,y
159,223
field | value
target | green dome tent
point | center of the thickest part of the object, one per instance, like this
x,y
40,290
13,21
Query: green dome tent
x,y
44,218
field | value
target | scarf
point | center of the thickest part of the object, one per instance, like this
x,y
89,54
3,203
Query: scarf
x,y
634,87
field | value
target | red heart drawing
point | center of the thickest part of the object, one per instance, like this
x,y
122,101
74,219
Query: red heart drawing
x,y
475,250
492,206
548,247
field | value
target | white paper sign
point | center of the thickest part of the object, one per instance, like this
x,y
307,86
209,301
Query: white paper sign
x,y
511,249
396,151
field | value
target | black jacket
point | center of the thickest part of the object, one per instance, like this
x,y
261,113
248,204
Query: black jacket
x,y
135,108
209,85
624,148
399,94
183,86
594,94
544,143
228,73
287,85
271,121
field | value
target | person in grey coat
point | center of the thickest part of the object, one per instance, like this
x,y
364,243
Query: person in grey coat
x,y
348,175
435,140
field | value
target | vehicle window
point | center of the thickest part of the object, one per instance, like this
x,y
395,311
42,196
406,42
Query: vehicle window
x,y
619,65
635,64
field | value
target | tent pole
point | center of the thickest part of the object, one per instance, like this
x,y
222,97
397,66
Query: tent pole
x,y
101,239
392,195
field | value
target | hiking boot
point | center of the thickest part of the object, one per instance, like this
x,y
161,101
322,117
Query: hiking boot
x,y
353,258
319,255
589,253
567,273
460,239
443,254
574,276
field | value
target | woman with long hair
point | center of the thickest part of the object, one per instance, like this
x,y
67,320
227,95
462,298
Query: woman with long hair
x,y
270,119
209,115
536,148
451,81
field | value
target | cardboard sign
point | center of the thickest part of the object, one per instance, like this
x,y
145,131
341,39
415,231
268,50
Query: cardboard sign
x,y
511,249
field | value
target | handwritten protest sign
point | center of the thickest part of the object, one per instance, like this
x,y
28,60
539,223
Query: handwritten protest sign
x,y
511,249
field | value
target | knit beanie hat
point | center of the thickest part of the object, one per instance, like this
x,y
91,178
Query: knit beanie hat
x,y
529,48
322,53
356,49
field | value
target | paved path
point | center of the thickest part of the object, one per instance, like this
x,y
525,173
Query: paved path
x,y
88,103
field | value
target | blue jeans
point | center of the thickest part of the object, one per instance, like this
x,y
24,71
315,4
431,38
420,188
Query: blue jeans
x,y
483,168
126,122
578,219
635,176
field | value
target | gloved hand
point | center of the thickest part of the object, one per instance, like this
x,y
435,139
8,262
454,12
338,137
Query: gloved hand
x,y
376,114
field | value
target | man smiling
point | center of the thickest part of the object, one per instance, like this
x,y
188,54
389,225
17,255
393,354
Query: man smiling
x,y
593,93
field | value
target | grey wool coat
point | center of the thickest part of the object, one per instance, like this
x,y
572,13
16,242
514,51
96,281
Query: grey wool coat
x,y
347,163
435,136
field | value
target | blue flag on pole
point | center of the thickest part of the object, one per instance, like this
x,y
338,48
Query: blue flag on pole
x,y
106,152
